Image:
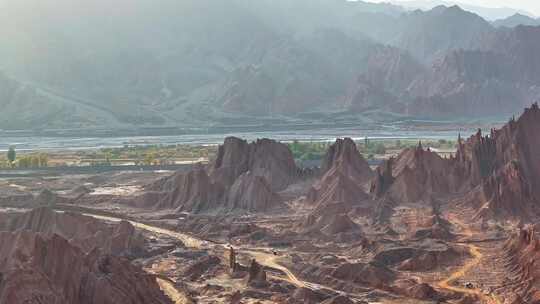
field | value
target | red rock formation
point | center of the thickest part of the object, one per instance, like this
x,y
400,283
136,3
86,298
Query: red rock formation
x,y
416,174
345,173
201,267
505,193
504,167
245,176
37,269
330,219
232,160
413,289
384,178
256,275
83,231
192,191
499,174
336,187
373,275
522,253
340,223
252,193
267,158
516,141
343,156
232,260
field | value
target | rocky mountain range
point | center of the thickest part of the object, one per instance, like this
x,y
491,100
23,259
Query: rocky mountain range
x,y
192,63
516,20
251,226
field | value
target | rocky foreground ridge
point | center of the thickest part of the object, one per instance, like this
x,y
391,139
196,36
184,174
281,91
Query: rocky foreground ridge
x,y
243,177
64,258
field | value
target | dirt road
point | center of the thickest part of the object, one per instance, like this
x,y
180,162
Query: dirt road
x,y
477,258
265,259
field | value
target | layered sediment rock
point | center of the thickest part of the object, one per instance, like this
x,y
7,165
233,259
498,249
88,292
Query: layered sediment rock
x,y
40,269
192,191
504,168
522,253
331,219
370,274
252,193
343,156
83,231
498,174
244,177
505,193
413,289
336,187
264,157
417,175
345,172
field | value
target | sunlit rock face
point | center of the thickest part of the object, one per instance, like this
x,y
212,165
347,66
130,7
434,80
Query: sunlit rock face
x,y
243,177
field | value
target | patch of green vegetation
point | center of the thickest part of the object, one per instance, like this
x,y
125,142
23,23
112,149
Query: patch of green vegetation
x,y
305,151
35,160
148,155
24,161
369,148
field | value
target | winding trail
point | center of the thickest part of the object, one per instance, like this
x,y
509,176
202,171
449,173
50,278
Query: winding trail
x,y
265,259
477,258
271,261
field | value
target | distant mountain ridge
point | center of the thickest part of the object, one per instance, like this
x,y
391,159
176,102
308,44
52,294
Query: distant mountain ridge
x,y
194,63
489,13
516,20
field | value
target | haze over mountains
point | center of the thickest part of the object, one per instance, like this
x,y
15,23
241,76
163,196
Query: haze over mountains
x,y
489,13
88,64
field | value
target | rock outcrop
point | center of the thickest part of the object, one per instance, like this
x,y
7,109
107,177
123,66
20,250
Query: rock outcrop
x,y
505,193
119,239
413,289
522,252
264,157
40,269
336,187
256,275
416,174
191,191
343,156
384,178
503,168
367,274
252,193
345,172
331,220
232,260
498,175
244,177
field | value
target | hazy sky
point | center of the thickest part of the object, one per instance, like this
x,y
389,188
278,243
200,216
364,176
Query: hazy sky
x,y
532,6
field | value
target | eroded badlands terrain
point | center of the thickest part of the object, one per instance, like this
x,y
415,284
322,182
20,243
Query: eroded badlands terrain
x,y
252,227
